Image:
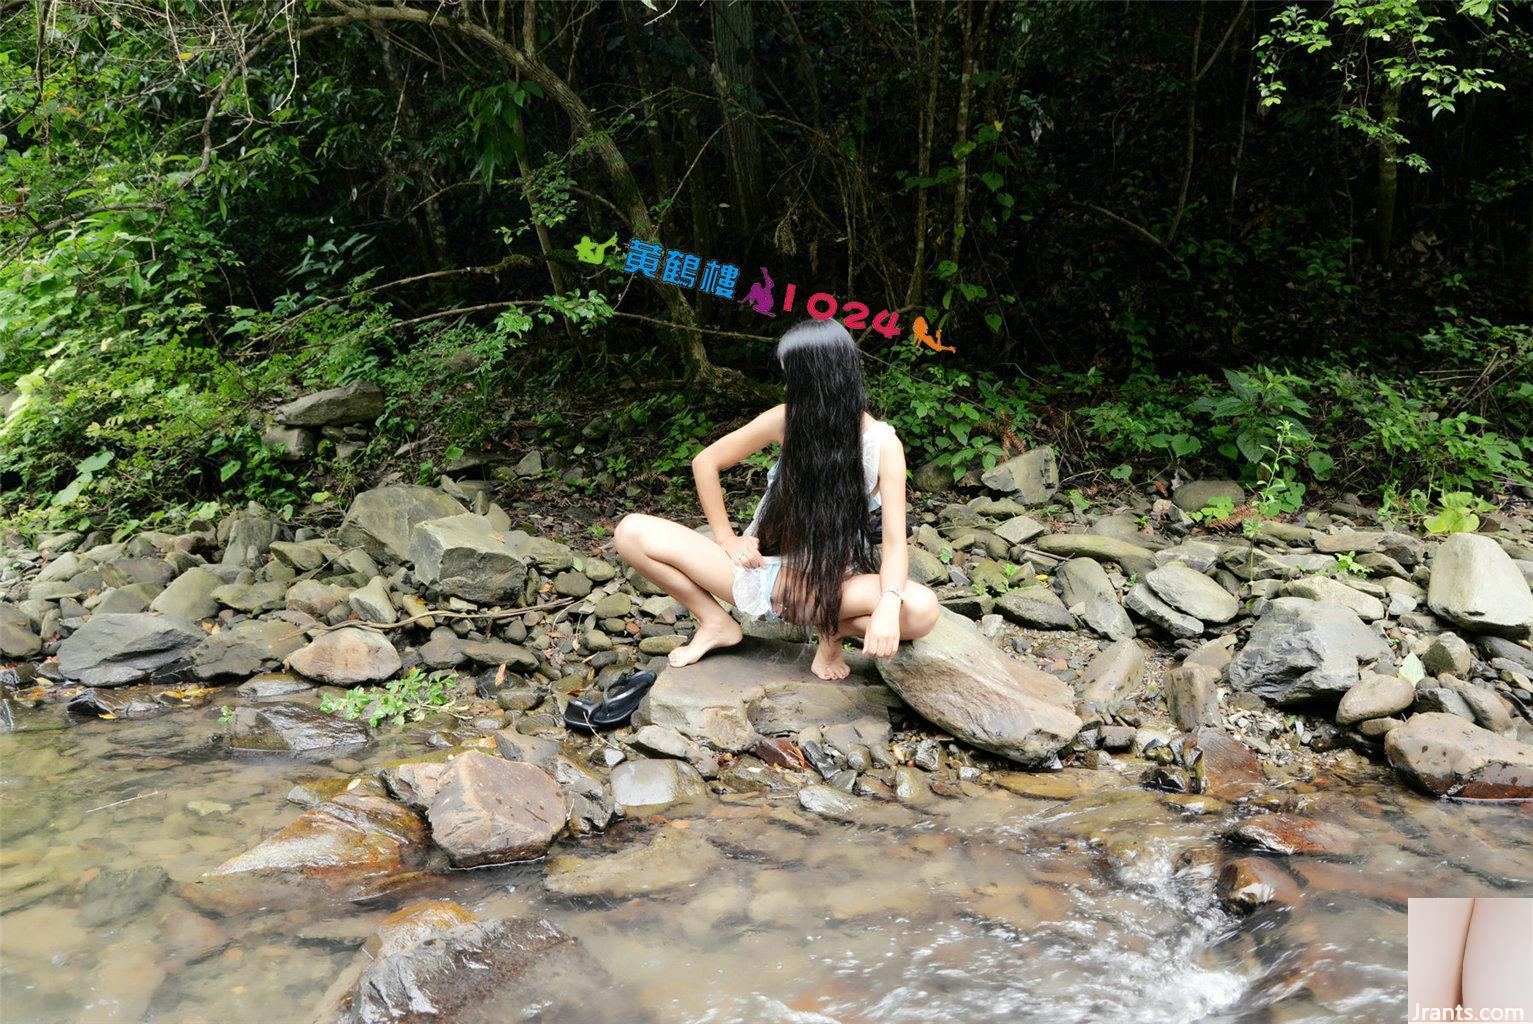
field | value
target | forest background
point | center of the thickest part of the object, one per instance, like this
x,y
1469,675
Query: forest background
x,y
1291,245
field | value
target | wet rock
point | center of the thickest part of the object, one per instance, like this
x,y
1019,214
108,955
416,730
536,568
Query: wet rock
x,y
245,649
1143,602
1132,557
957,680
410,924
119,894
708,701
1475,585
673,859
110,650
1448,756
467,557
1192,593
1035,607
1248,883
781,753
350,839
272,686
652,784
1195,495
1114,674
488,810
380,521
123,702
663,742
295,729
1288,834
1192,695
1032,478
346,657
533,750
16,637
1322,588
358,402
1375,696
830,802
1089,594
1224,767
1301,650
189,596
1448,653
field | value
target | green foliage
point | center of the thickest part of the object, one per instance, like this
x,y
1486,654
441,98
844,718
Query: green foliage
x,y
1346,565
409,698
1458,512
1217,508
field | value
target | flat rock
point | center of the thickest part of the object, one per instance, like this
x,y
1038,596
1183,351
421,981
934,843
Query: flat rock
x,y
189,595
380,521
1323,588
1376,695
652,784
111,650
1226,768
955,679
1476,586
295,729
1193,593
1132,557
1288,834
708,701
1448,756
1144,602
1031,478
1090,595
1302,650
672,859
245,648
357,402
1035,607
1114,673
488,810
346,657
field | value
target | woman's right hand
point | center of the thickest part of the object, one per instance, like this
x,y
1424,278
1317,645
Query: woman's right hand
x,y
743,551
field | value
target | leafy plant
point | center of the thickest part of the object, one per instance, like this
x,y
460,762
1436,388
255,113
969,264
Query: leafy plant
x,y
1458,512
1346,565
1221,507
411,697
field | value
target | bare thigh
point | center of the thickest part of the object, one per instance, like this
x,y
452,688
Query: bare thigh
x,y
697,557
1498,954
1437,930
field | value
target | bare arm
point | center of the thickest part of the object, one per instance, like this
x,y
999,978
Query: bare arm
x,y
728,451
882,638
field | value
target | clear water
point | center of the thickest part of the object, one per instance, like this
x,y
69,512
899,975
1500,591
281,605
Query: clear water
x,y
992,908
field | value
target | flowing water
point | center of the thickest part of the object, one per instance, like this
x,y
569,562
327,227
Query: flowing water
x,y
992,908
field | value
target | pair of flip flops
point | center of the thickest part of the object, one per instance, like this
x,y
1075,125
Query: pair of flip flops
x,y
619,699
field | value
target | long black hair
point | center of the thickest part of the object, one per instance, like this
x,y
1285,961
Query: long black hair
x,y
816,512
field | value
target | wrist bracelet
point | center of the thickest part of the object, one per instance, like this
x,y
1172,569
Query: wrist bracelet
x,y
897,592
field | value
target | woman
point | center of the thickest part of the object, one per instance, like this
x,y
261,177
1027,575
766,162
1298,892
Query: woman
x,y
807,555
1473,953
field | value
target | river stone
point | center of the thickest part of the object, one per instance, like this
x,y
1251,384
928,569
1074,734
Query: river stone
x,y
794,699
372,604
315,598
1189,591
249,537
134,597
1032,478
1225,768
471,973
1288,834
955,679
1375,696
295,729
1448,653
672,859
110,650
272,686
122,572
1114,673
358,402
1246,883
652,784
488,810
252,598
1089,594
465,556
1195,495
1322,588
1475,585
1192,695
189,596
380,521
16,637
1301,650
1143,602
1035,607
346,840
1020,529
1449,756
1131,556
119,894
245,648
708,701
346,657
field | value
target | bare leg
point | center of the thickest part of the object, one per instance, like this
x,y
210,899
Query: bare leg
x,y
1437,929
1496,956
859,596
692,569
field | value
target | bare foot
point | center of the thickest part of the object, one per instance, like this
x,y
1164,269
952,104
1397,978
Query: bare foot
x,y
725,634
829,662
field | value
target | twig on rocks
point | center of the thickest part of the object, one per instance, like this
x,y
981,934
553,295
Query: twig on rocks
x,y
492,616
119,803
1043,554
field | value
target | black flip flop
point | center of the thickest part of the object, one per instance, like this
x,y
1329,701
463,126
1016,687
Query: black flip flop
x,y
619,699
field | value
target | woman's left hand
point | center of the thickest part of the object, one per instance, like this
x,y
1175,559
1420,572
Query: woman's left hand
x,y
883,636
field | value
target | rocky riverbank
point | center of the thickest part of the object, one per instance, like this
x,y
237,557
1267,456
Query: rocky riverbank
x,y
1077,652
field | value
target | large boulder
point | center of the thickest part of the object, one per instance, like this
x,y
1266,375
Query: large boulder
x,y
359,402
954,678
465,556
110,650
1449,756
1301,650
1193,593
488,810
380,521
472,973
1031,478
347,657
1476,586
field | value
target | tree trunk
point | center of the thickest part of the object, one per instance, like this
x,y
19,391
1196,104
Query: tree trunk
x,y
916,293
420,169
659,156
1389,176
972,34
734,77
1527,269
